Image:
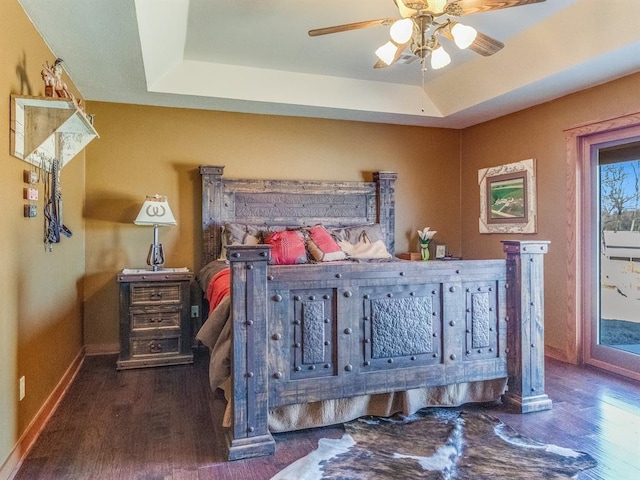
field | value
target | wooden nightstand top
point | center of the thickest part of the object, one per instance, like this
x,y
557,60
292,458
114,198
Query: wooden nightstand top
x,y
146,275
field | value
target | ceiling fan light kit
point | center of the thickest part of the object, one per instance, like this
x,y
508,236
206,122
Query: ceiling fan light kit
x,y
463,35
401,30
439,58
387,52
418,29
437,6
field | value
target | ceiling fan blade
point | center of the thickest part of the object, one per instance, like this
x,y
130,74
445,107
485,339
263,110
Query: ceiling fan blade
x,y
467,7
350,26
483,44
486,45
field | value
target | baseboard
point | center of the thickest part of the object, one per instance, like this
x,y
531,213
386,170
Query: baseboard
x,y
32,432
102,349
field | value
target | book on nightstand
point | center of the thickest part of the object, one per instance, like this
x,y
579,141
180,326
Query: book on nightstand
x,y
414,256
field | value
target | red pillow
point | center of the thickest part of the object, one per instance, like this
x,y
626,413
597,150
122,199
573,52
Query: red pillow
x,y
288,247
322,246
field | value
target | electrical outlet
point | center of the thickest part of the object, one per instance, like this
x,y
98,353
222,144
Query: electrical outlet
x,y
23,387
30,211
31,194
195,311
30,176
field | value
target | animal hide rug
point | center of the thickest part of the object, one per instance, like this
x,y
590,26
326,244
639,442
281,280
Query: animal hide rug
x,y
435,444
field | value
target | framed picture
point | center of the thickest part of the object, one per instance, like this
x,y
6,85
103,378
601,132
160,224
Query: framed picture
x,y
508,198
441,251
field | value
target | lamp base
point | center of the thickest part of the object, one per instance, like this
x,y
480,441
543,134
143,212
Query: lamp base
x,y
155,259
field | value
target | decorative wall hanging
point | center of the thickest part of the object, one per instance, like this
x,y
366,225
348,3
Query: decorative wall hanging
x,y
508,198
47,128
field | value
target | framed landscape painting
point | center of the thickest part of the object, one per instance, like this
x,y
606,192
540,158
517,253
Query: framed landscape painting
x,y
508,198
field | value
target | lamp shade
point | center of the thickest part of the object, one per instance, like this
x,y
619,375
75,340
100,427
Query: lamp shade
x,y
437,6
155,211
463,35
439,58
387,52
401,30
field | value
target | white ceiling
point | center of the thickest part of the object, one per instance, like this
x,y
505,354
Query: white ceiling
x,y
255,56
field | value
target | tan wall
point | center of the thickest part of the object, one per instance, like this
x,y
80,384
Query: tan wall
x,y
538,133
147,150
40,301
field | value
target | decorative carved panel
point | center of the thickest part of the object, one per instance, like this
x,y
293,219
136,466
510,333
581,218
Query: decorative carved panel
x,y
298,205
402,326
481,320
312,332
314,327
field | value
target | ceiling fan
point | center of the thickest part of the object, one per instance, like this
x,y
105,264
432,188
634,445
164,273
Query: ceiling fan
x,y
421,24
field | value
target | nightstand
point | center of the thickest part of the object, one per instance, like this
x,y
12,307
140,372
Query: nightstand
x,y
155,323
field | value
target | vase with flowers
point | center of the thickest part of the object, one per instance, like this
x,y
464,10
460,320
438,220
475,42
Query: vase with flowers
x,y
425,236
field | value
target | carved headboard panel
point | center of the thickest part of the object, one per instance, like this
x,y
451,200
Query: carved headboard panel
x,y
292,202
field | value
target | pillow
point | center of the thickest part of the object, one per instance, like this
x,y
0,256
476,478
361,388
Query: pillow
x,y
243,234
288,247
363,241
322,246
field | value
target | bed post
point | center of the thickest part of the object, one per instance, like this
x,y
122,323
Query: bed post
x,y
249,434
525,323
385,184
211,211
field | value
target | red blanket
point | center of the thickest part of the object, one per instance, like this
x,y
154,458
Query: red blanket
x,y
218,288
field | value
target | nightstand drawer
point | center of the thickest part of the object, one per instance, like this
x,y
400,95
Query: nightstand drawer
x,y
155,323
154,346
150,319
154,294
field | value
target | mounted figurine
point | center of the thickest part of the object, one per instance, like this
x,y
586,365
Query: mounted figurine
x,y
54,86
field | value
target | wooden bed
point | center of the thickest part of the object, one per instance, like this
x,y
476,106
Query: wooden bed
x,y
318,332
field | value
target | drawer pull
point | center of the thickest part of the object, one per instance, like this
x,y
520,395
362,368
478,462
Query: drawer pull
x,y
156,296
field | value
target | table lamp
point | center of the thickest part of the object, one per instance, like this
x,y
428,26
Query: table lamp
x,y
155,212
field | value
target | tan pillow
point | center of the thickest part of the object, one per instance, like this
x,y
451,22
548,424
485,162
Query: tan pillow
x,y
363,241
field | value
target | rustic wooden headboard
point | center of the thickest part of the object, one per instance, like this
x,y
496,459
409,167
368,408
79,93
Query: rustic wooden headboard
x,y
293,203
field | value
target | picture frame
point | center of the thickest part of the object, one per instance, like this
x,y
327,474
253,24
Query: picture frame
x,y
441,251
508,198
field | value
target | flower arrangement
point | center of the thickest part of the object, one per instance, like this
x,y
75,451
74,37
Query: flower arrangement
x,y
425,235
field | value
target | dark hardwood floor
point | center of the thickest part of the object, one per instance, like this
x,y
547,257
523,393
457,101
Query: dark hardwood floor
x,y
162,423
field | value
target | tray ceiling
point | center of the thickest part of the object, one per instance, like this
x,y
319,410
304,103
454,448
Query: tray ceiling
x,y
255,56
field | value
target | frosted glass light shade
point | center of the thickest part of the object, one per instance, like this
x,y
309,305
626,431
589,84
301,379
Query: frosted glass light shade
x,y
439,58
401,30
155,211
463,35
437,6
387,52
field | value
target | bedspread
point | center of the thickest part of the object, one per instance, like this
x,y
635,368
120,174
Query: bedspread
x,y
216,335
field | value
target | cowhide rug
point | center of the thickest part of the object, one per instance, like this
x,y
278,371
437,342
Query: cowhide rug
x,y
435,444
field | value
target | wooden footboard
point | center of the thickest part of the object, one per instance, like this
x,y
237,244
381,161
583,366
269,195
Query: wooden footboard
x,y
326,331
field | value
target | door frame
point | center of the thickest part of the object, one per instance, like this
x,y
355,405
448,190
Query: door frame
x,y
583,143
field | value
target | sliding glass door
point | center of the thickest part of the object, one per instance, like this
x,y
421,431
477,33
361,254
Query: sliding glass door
x,y
615,327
